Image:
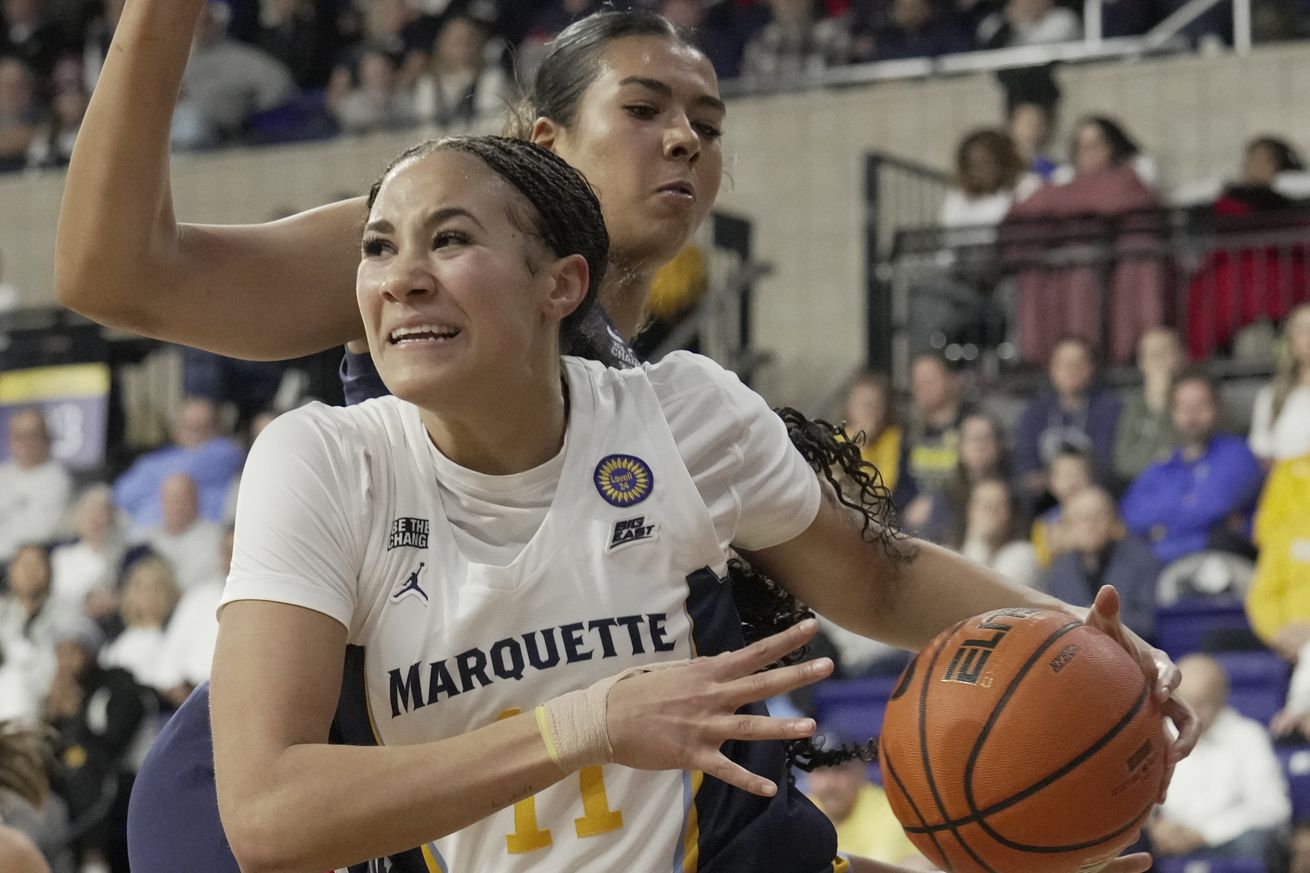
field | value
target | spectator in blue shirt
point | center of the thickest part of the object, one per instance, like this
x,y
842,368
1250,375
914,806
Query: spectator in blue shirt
x,y
1202,495
210,460
1100,553
1072,413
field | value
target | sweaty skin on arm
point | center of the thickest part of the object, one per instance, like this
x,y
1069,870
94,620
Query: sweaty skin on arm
x,y
904,601
909,596
265,291
907,601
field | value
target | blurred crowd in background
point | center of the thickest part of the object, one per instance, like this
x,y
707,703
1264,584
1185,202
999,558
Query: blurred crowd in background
x,y
1169,485
267,71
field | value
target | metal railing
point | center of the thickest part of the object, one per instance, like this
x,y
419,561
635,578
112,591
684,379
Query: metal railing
x,y
898,193
1003,303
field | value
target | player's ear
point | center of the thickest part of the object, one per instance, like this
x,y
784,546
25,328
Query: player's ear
x,y
544,133
569,278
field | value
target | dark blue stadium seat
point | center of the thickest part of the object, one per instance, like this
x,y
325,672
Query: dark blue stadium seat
x,y
1258,681
1184,626
1296,767
1203,863
851,710
304,118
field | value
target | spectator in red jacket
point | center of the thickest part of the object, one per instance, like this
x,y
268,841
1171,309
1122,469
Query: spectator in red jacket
x,y
1238,285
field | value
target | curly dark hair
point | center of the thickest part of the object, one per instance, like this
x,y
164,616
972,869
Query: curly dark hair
x,y
766,608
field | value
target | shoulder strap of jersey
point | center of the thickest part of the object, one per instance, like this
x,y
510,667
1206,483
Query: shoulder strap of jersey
x,y
657,429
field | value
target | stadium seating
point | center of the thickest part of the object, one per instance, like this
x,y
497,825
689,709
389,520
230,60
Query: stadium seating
x,y
1296,767
1189,623
1258,682
1203,863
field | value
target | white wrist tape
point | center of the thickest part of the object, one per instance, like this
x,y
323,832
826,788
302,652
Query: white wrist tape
x,y
575,727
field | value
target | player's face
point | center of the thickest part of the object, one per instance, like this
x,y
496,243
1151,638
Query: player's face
x,y
647,137
451,286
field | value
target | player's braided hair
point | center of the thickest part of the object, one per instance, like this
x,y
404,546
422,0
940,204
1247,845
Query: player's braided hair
x,y
24,752
767,608
565,214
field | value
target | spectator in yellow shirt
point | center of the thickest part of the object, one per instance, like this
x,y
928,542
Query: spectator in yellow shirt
x,y
859,809
871,412
1278,603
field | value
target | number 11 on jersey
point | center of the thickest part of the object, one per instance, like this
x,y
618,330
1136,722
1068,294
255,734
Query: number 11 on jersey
x,y
597,817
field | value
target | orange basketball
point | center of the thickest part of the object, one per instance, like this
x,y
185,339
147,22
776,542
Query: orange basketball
x,y
1022,741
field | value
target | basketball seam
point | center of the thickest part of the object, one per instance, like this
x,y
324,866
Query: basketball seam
x,y
1101,743
927,763
980,815
1024,794
932,835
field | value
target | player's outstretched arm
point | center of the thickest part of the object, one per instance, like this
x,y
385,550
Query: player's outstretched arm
x,y
290,801
907,595
272,290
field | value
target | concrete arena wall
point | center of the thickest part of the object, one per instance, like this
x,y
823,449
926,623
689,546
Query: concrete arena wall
x,y
795,162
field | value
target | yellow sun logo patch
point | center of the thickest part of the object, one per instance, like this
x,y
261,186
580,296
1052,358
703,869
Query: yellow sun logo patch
x,y
624,480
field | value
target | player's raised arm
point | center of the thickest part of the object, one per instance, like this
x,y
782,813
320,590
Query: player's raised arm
x,y
272,290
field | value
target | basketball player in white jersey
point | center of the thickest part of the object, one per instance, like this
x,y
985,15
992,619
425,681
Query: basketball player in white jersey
x,y
502,538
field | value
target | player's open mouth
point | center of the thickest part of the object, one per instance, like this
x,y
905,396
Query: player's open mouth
x,y
422,333
681,190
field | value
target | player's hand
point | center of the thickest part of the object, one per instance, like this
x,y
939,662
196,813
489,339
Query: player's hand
x,y
1290,639
1162,676
1137,862
1287,723
678,718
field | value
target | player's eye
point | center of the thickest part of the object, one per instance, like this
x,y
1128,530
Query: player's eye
x,y
707,130
447,238
644,111
375,246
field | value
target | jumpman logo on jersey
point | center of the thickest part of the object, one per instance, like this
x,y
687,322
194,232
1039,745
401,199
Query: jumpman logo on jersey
x,y
411,586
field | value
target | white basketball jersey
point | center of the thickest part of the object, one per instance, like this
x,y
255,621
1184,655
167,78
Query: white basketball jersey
x,y
441,645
